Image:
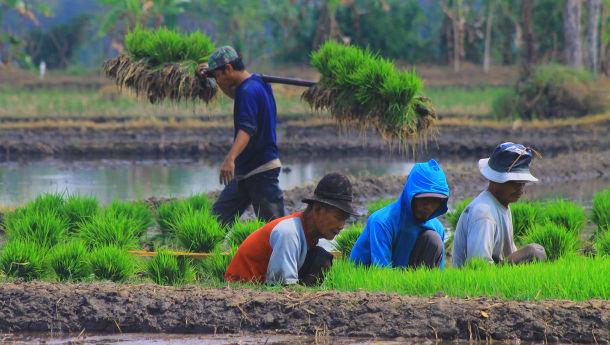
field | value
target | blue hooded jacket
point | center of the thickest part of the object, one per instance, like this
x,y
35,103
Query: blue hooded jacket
x,y
390,233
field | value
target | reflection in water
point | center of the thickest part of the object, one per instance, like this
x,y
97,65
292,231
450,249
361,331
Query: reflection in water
x,y
128,180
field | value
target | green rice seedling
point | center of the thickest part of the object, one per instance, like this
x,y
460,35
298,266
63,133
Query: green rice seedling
x,y
525,215
556,240
454,216
241,230
106,229
198,231
69,261
168,213
79,209
602,242
215,266
600,211
45,229
111,263
378,204
137,212
168,269
566,213
23,259
137,42
198,202
347,238
48,202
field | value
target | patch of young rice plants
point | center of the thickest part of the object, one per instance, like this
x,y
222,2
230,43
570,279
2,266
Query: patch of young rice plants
x,y
69,261
168,213
453,218
215,266
78,210
600,212
241,230
111,263
48,202
168,269
573,278
378,204
566,213
556,240
525,215
602,242
137,212
198,202
347,238
107,229
45,229
23,259
198,231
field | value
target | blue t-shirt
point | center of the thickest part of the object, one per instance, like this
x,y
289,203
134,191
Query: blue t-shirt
x,y
255,113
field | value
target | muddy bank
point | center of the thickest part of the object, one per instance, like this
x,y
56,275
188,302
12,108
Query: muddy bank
x,y
297,137
112,308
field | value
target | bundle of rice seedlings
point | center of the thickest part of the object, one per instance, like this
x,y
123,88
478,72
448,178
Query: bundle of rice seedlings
x,y
111,263
69,261
241,230
600,211
106,229
565,213
162,64
23,259
48,202
215,266
344,242
78,210
378,204
360,88
453,218
555,238
136,212
45,229
198,231
168,213
168,269
602,242
525,215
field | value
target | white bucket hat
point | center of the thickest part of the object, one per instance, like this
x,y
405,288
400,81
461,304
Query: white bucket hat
x,y
508,162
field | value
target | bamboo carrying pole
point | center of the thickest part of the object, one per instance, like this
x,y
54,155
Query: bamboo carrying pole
x,y
287,81
144,253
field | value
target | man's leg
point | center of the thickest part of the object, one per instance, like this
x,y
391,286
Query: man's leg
x,y
428,250
527,254
231,202
316,263
266,195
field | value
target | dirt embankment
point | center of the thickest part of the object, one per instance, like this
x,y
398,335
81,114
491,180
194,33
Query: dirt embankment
x,y
112,308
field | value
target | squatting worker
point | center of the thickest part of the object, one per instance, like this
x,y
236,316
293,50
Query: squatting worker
x,y
251,168
285,250
406,233
485,227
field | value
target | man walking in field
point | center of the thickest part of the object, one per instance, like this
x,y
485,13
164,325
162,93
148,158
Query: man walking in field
x,y
485,227
406,233
251,168
285,250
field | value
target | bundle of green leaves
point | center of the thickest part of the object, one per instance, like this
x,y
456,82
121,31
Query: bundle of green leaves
x,y
347,238
168,269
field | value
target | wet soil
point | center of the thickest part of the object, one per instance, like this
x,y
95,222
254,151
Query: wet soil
x,y
113,308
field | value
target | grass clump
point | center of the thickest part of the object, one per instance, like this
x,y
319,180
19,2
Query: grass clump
x,y
78,210
169,269
347,238
107,229
565,213
111,263
556,240
600,211
602,242
198,231
23,259
69,261
525,215
137,213
241,230
378,204
361,88
215,266
45,229
453,217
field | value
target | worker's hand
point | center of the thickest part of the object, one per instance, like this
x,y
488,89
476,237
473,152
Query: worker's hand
x,y
227,169
202,68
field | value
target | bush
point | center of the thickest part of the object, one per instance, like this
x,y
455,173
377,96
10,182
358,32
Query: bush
x,y
556,240
600,212
23,259
347,238
215,266
378,204
106,229
241,230
44,228
78,209
169,269
111,263
198,231
602,242
565,213
69,261
137,212
525,215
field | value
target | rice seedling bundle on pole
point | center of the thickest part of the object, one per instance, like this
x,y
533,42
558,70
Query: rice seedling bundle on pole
x,y
162,64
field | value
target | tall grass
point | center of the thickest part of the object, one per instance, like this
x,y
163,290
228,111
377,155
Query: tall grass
x,y
525,215
565,213
69,261
111,263
347,238
241,230
169,269
44,228
106,229
574,278
556,240
600,211
378,204
23,259
198,231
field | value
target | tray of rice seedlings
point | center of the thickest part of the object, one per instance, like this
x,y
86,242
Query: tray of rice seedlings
x,y
344,242
162,64
166,268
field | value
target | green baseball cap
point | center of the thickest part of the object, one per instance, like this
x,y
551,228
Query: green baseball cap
x,y
221,57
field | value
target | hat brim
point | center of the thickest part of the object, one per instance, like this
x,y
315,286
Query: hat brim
x,y
502,177
342,205
431,195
